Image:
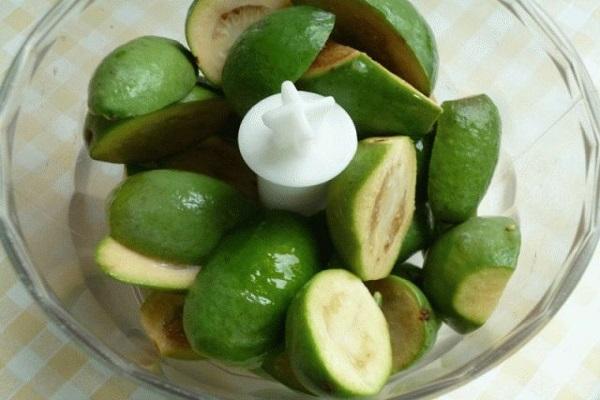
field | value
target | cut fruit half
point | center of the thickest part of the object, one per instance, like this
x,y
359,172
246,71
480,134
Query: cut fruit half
x,y
278,48
128,266
161,317
152,136
412,323
371,204
337,337
467,269
212,26
391,31
379,102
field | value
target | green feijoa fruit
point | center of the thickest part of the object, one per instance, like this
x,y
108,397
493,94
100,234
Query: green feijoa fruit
x,y
162,319
212,27
126,265
235,311
467,269
277,365
379,102
412,323
410,272
419,234
423,147
175,216
158,134
278,48
464,156
337,337
391,31
370,205
215,157
141,76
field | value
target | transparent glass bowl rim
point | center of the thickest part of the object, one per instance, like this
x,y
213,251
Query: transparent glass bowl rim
x,y
542,26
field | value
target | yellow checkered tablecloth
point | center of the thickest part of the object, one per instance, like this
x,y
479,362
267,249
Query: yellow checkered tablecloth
x,y
562,362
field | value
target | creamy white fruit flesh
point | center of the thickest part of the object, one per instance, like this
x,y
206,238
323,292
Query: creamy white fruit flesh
x,y
388,200
351,331
479,293
213,26
129,266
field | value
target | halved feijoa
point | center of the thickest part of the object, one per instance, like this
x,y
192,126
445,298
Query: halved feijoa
x,y
378,101
126,265
141,76
161,317
393,32
212,26
337,337
468,267
412,323
235,311
278,48
161,133
176,216
214,157
370,205
465,154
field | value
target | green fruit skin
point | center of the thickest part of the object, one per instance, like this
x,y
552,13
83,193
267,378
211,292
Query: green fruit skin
x,y
398,18
419,234
280,47
430,322
158,134
478,243
277,365
378,102
174,215
409,272
141,76
424,148
318,224
340,207
235,311
465,154
304,351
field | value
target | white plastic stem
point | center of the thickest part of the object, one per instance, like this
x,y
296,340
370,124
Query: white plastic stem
x,y
296,142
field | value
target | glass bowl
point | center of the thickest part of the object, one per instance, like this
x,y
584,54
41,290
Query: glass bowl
x,y
52,194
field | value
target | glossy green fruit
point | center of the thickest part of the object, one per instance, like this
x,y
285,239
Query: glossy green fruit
x,y
161,317
370,205
280,47
141,76
419,234
126,265
467,269
391,31
173,215
378,101
158,134
337,337
465,153
412,323
215,157
213,26
235,311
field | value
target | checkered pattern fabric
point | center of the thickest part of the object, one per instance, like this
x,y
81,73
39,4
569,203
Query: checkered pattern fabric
x,y
38,362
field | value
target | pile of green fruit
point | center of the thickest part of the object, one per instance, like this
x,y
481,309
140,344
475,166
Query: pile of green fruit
x,y
326,305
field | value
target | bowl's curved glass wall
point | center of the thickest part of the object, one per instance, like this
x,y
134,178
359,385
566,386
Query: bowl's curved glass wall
x,y
54,194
